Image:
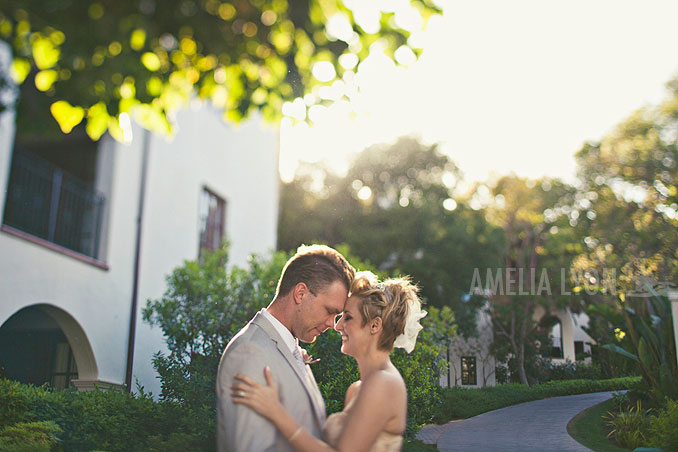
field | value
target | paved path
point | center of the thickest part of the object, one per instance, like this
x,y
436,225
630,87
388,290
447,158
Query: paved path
x,y
539,426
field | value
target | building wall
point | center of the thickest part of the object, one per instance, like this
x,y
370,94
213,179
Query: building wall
x,y
478,347
95,297
239,163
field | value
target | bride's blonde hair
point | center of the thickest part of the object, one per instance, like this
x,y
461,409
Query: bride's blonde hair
x,y
390,300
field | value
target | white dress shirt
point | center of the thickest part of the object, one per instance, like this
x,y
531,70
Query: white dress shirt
x,y
282,330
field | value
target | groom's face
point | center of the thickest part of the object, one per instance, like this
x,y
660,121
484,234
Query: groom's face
x,y
317,312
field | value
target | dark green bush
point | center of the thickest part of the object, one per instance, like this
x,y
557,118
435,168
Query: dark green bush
x,y
549,371
30,437
664,427
16,401
462,403
107,420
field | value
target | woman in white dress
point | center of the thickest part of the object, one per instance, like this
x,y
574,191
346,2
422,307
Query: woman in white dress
x,y
377,317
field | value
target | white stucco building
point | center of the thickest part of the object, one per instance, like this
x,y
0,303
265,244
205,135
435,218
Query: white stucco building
x,y
67,246
472,364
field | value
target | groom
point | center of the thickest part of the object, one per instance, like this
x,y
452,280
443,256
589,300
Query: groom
x,y
311,292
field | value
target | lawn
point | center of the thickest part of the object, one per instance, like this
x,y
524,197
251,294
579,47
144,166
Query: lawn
x,y
588,428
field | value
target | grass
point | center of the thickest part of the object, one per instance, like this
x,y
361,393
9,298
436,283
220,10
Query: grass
x,y
412,445
462,403
588,428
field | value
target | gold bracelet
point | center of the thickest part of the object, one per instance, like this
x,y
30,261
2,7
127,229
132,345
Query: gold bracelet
x,y
296,432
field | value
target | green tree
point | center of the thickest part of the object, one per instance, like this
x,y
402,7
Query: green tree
x,y
97,60
537,245
628,201
203,307
628,210
395,208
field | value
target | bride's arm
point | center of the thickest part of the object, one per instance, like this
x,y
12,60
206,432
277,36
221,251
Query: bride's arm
x,y
373,408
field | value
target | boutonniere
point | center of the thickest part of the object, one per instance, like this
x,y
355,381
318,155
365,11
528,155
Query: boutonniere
x,y
308,359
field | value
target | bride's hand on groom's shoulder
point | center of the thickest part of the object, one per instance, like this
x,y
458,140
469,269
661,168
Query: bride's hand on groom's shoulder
x,y
308,359
261,398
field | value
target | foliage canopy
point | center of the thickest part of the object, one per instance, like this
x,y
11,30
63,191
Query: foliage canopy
x,y
98,60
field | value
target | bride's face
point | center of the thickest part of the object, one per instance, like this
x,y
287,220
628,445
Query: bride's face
x,y
354,335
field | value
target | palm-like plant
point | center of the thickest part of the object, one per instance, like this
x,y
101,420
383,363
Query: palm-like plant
x,y
649,324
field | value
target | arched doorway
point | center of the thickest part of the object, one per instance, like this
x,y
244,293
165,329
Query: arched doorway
x,y
43,344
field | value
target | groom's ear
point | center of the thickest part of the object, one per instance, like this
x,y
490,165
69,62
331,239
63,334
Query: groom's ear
x,y
299,291
375,325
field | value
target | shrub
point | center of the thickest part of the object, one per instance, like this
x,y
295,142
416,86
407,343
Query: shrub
x,y
203,307
109,420
650,326
664,427
18,400
629,427
462,403
549,370
30,437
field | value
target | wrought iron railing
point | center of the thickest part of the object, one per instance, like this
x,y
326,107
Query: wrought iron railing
x,y
49,203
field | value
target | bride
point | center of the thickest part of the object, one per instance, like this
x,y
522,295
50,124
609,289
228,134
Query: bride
x,y
377,317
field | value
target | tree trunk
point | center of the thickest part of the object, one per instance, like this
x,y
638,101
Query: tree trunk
x,y
521,365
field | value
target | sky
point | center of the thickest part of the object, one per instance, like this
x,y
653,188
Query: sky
x,y
502,86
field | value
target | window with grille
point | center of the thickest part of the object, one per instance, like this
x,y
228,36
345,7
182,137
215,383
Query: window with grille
x,y
212,221
468,371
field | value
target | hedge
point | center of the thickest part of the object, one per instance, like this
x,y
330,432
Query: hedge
x,y
462,403
95,420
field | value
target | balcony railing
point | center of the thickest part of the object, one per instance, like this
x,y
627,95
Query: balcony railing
x,y
49,203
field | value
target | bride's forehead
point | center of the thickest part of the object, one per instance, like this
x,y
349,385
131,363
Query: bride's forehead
x,y
352,303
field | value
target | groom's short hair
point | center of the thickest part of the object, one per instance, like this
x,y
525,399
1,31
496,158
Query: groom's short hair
x,y
317,266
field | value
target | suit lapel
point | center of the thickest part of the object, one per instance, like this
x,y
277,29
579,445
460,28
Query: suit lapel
x,y
320,402
307,379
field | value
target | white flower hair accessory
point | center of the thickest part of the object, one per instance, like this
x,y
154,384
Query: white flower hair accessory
x,y
408,339
369,276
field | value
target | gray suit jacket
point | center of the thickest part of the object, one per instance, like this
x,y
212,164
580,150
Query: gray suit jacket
x,y
239,428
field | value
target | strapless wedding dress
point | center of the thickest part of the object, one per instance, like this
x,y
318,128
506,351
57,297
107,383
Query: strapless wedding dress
x,y
334,425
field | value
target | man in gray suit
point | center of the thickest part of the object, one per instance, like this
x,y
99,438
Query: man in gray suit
x,y
311,291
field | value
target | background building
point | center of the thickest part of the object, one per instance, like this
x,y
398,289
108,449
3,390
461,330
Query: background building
x,y
472,364
69,211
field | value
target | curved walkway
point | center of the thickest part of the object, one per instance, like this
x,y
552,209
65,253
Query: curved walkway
x,y
532,426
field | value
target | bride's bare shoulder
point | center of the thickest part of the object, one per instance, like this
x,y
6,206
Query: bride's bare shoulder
x,y
385,382
351,391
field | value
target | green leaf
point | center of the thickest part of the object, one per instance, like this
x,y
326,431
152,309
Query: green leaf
x,y
645,354
151,61
67,115
19,70
97,120
152,119
138,39
45,79
45,54
619,350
